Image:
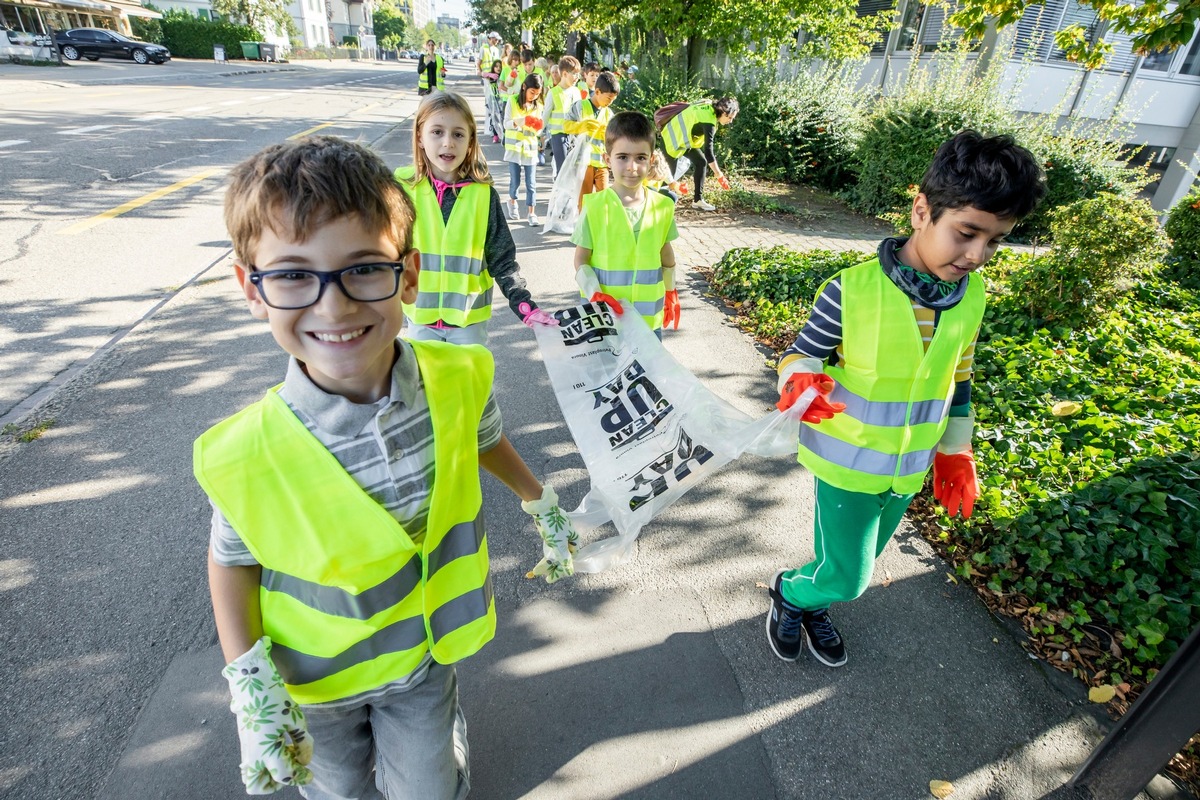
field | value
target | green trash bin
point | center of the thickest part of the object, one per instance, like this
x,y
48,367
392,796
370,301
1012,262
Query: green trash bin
x,y
250,50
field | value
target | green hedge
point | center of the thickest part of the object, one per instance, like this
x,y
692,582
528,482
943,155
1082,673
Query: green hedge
x,y
191,37
1086,445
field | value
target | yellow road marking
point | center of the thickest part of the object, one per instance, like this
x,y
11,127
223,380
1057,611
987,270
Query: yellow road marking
x,y
311,130
84,225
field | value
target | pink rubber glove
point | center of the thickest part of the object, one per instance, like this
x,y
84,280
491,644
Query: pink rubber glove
x,y
608,300
671,310
955,484
535,316
820,408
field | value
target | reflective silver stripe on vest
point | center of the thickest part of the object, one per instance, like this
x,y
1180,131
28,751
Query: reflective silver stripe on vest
x,y
863,459
888,414
461,540
626,277
337,602
299,668
459,265
454,300
648,308
462,610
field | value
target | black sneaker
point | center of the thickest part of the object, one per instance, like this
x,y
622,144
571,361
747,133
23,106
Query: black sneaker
x,y
824,641
783,623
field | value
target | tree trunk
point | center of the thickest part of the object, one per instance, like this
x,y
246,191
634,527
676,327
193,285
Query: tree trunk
x,y
695,52
581,45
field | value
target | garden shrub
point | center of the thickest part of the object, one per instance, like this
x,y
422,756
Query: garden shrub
x,y
803,130
1183,228
191,37
1101,245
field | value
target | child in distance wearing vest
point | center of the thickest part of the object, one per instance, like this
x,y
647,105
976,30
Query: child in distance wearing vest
x,y
348,563
460,231
562,98
627,228
889,349
522,122
591,117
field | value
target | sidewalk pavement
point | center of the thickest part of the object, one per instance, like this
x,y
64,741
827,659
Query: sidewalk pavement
x,y
652,680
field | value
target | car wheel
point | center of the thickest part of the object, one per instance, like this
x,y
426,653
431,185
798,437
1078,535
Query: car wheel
x,y
140,56
92,58
70,53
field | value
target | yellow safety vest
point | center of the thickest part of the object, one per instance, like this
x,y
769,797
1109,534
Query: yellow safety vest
x,y
629,268
453,285
559,103
897,393
423,78
588,111
519,142
350,602
677,135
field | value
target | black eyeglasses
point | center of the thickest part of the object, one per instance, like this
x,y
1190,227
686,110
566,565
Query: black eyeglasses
x,y
291,289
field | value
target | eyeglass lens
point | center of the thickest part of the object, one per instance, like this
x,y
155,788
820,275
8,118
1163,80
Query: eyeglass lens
x,y
365,283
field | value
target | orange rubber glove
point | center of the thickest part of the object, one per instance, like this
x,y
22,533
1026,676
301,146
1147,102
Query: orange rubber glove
x,y
955,484
583,94
671,310
820,408
608,300
721,179
534,122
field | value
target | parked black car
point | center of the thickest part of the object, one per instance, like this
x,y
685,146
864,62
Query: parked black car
x,y
95,43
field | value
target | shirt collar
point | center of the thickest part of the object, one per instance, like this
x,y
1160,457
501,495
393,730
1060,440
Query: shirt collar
x,y
339,416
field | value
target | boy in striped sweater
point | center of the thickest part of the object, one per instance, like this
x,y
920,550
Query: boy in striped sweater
x,y
889,349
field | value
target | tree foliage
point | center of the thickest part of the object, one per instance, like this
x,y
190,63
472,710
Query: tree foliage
x,y
262,15
390,24
502,16
750,28
1151,24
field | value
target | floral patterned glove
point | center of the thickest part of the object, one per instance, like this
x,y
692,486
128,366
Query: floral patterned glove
x,y
271,726
559,538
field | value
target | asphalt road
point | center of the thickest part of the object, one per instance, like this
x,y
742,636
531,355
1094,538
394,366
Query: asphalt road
x,y
76,148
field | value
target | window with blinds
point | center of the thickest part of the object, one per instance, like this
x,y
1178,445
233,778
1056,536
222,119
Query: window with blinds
x,y
868,7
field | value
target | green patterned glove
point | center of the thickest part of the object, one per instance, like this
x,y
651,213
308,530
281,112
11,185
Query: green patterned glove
x,y
271,726
559,538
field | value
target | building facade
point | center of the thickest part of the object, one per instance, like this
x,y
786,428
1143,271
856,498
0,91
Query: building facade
x,y
1158,93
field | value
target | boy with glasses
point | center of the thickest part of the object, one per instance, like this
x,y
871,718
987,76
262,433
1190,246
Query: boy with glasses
x,y
348,562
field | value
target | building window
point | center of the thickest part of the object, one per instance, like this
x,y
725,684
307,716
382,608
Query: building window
x,y
1191,63
910,25
1160,60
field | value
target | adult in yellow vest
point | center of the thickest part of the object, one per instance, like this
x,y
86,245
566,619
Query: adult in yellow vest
x,y
489,51
888,353
431,70
591,117
689,133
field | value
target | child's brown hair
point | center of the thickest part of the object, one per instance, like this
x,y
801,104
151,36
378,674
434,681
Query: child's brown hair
x,y
304,184
474,167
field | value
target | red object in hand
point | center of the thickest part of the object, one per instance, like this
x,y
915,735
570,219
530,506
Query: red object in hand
x,y
671,310
583,94
534,122
721,179
955,484
512,75
608,300
820,408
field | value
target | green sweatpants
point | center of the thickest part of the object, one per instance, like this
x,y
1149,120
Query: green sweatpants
x,y
851,530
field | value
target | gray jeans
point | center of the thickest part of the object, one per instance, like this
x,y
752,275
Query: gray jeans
x,y
409,746
472,334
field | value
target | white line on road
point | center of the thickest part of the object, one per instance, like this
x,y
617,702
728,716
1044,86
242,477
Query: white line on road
x,y
88,129
195,109
13,142
152,117
261,97
231,102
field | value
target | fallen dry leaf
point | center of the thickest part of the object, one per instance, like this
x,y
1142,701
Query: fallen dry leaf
x,y
761,585
951,579
1102,694
941,789
887,581
1065,408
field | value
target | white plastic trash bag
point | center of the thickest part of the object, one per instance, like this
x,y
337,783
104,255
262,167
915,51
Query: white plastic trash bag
x,y
681,168
562,208
648,430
